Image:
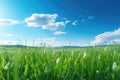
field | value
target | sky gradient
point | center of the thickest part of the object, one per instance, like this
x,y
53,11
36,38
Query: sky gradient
x,y
59,22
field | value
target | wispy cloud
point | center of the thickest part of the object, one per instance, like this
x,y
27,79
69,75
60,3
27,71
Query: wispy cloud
x,y
9,42
45,21
8,22
75,22
9,35
59,33
54,42
51,42
90,17
67,21
112,37
46,42
83,20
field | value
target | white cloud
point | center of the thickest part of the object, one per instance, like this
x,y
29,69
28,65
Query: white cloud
x,y
67,21
59,33
112,37
9,42
45,21
54,26
53,42
9,35
47,39
47,42
90,17
50,42
75,22
40,19
8,22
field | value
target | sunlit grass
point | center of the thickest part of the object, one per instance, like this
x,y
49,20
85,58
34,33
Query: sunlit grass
x,y
94,63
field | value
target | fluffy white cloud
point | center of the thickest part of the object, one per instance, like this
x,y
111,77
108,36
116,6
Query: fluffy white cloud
x,y
8,22
45,21
59,32
75,22
54,26
9,35
40,19
112,37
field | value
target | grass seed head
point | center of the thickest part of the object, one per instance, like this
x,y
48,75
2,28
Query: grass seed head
x,y
97,71
114,53
57,60
6,66
105,48
84,55
114,66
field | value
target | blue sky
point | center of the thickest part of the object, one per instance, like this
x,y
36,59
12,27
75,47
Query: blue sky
x,y
60,22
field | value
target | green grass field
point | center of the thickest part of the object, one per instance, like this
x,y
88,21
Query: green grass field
x,y
97,63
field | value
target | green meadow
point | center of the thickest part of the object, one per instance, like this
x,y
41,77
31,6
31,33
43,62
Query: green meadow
x,y
91,63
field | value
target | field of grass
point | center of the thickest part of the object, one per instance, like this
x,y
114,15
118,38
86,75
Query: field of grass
x,y
97,63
